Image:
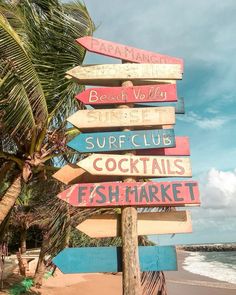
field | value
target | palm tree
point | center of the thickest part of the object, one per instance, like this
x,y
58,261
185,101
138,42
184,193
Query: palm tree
x,y
36,48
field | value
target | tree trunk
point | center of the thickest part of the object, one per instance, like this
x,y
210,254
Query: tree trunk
x,y
4,170
40,269
9,198
23,235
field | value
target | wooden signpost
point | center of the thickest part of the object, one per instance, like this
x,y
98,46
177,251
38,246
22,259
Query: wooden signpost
x,y
125,52
181,148
123,140
109,259
124,95
179,105
71,174
88,74
142,125
115,118
151,223
142,166
138,194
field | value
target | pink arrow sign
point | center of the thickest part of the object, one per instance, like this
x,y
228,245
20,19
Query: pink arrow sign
x,y
135,94
126,52
147,194
181,148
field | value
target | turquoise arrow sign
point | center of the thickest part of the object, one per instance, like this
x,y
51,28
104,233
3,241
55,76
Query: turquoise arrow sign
x,y
108,259
127,140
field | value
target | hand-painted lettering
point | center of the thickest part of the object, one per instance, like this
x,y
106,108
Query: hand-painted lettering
x,y
177,192
95,164
100,194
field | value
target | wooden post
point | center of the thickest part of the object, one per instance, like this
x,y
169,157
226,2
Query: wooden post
x,y
130,256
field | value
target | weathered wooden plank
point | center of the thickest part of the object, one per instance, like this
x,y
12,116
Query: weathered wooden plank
x,y
128,165
179,105
123,72
124,140
126,117
142,194
114,83
71,174
151,223
123,95
125,52
108,259
182,148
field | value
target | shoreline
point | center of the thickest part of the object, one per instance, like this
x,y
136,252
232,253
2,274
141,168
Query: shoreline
x,y
179,282
186,282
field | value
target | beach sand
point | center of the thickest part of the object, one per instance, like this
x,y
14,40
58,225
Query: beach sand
x,y
179,282
182,282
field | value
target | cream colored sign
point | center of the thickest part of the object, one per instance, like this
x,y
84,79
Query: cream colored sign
x,y
125,117
129,165
102,226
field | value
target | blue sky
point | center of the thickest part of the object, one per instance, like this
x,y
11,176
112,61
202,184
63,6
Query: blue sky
x,y
203,34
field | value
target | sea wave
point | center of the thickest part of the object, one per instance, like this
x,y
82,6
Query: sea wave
x,y
197,263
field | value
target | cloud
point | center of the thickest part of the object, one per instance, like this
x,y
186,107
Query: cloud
x,y
218,190
217,213
205,122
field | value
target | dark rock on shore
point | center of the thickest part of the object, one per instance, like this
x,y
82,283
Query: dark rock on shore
x,y
209,247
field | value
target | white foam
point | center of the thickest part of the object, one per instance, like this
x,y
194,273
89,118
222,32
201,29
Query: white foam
x,y
197,264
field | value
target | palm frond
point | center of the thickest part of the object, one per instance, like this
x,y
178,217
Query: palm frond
x,y
13,52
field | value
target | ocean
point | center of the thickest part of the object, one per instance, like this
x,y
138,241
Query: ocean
x,y
216,265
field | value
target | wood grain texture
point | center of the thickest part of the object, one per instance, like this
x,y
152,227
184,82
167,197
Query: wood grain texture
x,y
182,148
125,52
146,166
151,223
134,94
72,174
121,141
179,105
118,118
114,83
142,194
108,259
124,72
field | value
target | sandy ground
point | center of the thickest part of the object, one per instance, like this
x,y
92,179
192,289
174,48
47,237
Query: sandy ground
x,y
179,282
182,282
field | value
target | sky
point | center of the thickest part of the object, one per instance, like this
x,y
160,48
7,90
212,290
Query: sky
x,y
203,34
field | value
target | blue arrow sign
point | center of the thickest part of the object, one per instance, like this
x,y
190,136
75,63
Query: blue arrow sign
x,y
127,140
108,259
179,105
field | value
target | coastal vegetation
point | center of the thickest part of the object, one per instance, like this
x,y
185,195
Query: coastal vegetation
x,y
36,49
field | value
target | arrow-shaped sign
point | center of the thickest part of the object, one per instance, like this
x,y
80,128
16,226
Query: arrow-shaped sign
x,y
151,223
122,72
128,165
124,95
181,148
179,105
71,174
123,140
125,52
142,194
125,117
108,259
